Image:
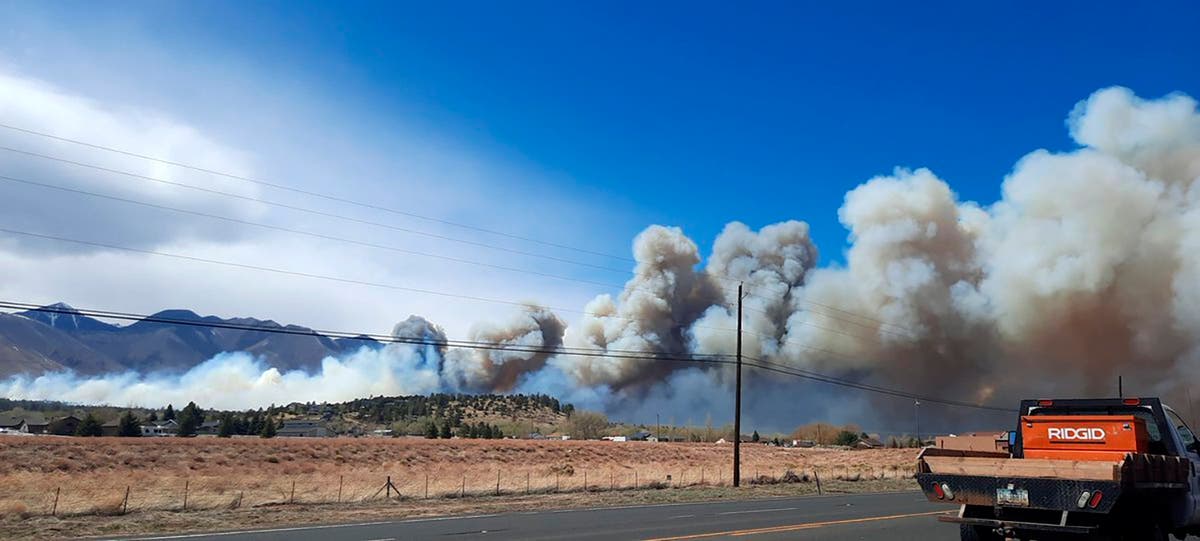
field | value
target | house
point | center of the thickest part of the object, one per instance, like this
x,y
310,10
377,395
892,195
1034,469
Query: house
x,y
869,443
209,428
111,428
160,429
298,428
64,426
641,435
30,422
615,438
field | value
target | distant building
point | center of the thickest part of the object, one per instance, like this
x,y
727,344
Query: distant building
x,y
641,435
615,438
30,422
64,426
159,429
111,428
208,428
870,443
804,443
302,429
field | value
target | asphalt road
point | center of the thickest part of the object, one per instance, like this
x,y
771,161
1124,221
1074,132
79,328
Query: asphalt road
x,y
898,517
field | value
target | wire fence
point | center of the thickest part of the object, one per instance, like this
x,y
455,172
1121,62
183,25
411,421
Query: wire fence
x,y
77,495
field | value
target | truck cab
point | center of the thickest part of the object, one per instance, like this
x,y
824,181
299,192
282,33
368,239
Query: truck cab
x,y
1121,468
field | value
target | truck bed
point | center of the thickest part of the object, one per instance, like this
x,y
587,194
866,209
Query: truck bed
x,y
1144,470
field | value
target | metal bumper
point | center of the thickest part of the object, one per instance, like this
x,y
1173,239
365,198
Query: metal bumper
x,y
1044,494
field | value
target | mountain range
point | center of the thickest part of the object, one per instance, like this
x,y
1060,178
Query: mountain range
x,y
35,342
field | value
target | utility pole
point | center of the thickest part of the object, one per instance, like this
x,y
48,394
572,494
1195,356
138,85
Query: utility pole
x,y
917,410
737,401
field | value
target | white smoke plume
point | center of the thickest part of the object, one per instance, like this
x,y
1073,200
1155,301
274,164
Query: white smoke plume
x,y
1087,268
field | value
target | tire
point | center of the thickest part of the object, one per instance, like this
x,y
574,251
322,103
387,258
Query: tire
x,y
967,532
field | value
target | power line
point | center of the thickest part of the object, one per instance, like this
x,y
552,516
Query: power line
x,y
386,226
327,197
300,232
711,358
366,337
311,211
815,376
316,276
880,325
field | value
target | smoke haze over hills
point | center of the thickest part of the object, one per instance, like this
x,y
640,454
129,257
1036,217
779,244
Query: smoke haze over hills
x,y
1088,267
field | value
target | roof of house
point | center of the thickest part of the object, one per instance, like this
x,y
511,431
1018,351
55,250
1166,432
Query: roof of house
x,y
15,418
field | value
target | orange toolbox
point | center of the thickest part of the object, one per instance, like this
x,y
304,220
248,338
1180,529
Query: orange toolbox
x,y
1083,437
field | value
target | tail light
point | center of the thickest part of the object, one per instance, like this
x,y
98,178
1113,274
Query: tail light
x,y
1132,401
1045,403
937,490
1096,499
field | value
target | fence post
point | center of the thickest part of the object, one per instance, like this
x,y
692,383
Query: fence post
x,y
292,498
556,481
186,482
125,503
341,478
241,494
636,484
612,480
427,485
526,482
818,478
54,510
463,492
701,476
497,482
585,480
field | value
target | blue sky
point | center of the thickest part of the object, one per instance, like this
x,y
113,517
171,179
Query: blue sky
x,y
698,113
583,124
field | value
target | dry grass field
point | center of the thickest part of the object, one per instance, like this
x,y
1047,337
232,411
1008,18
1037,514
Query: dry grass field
x,y
92,476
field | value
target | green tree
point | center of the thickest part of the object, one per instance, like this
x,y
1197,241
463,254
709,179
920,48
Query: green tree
x,y
190,418
226,429
89,427
445,433
586,425
170,413
497,433
128,426
755,437
431,430
152,417
268,428
846,438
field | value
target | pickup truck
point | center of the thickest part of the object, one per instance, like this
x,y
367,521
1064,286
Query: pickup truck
x,y
1119,469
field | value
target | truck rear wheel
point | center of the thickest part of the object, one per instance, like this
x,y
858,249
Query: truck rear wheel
x,y
967,532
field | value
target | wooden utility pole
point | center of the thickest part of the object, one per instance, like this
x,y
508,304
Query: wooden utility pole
x,y
737,401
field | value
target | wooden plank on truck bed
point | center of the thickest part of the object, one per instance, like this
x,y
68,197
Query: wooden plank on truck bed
x,y
1022,467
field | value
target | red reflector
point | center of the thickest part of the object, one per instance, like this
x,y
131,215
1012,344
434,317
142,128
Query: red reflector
x,y
1132,401
937,489
1045,403
1096,499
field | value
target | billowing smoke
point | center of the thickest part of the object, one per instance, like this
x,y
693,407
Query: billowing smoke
x,y
1087,268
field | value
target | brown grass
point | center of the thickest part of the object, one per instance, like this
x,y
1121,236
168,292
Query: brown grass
x,y
92,474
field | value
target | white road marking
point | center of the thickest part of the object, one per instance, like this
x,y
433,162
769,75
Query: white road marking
x,y
759,511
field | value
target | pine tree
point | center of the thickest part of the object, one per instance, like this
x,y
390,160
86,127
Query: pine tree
x,y
226,428
431,430
754,437
170,413
268,429
90,427
496,433
128,426
190,418
445,433
152,417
